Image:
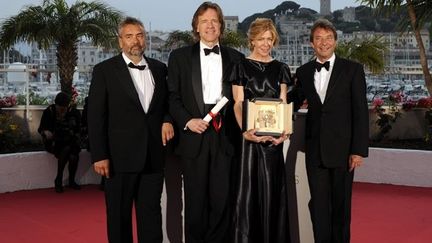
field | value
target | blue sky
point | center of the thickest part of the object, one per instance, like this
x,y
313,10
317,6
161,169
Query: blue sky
x,y
171,15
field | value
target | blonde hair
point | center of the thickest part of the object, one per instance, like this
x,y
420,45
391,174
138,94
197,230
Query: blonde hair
x,y
259,26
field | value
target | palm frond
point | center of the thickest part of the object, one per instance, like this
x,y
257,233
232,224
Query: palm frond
x,y
179,38
369,52
55,23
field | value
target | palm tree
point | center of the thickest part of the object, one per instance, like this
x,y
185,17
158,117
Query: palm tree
x,y
234,39
179,38
419,12
54,22
369,52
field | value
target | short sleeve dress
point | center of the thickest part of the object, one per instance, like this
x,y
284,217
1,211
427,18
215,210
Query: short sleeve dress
x,y
261,213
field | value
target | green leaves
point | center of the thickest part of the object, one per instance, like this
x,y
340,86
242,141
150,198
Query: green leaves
x,y
179,38
419,12
369,52
55,23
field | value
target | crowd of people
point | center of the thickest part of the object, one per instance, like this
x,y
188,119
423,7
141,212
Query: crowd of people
x,y
235,186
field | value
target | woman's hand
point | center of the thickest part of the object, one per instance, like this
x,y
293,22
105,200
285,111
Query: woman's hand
x,y
281,139
250,136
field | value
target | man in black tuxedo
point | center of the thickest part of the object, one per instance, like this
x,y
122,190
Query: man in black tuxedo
x,y
198,77
128,127
336,132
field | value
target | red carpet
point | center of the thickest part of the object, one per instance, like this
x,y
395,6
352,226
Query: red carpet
x,y
391,214
43,216
381,214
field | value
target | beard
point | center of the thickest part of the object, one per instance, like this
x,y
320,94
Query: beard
x,y
136,51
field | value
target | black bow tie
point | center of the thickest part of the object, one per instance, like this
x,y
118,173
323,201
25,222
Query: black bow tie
x,y
139,67
215,49
318,66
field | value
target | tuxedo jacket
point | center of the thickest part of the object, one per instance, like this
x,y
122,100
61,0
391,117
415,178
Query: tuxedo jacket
x,y
119,129
337,127
186,97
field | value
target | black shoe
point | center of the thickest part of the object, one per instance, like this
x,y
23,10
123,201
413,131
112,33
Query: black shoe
x,y
58,189
74,186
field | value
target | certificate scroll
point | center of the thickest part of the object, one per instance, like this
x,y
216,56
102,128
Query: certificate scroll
x,y
268,116
222,102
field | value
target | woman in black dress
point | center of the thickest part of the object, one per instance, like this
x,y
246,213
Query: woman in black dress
x,y
260,214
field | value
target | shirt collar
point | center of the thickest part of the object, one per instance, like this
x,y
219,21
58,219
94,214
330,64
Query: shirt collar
x,y
202,46
127,60
331,60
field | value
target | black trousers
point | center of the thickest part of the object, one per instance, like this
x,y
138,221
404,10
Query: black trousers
x,y
122,191
206,189
330,204
66,154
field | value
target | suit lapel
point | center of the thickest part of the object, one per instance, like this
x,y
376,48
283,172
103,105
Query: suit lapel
x,y
226,61
156,90
310,75
334,77
196,77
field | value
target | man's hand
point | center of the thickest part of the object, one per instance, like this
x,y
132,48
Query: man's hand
x,y
102,167
355,161
197,125
167,132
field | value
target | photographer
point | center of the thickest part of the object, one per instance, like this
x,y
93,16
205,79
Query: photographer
x,y
60,130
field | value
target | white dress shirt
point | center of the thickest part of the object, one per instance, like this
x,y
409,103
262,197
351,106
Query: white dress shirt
x,y
322,78
143,82
211,75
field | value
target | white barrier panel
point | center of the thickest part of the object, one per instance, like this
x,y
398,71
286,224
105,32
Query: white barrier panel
x,y
297,184
33,170
303,197
397,167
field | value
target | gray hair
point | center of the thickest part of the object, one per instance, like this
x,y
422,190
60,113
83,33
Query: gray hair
x,y
127,21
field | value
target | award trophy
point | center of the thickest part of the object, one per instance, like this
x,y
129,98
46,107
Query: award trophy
x,y
268,116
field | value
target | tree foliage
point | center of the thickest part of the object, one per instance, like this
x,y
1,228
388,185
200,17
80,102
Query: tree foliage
x,y
284,7
234,39
54,22
369,52
419,12
179,38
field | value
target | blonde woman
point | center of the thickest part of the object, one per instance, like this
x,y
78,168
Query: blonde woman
x,y
260,213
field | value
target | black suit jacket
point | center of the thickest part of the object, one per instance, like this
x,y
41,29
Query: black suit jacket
x,y
186,97
339,126
119,129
